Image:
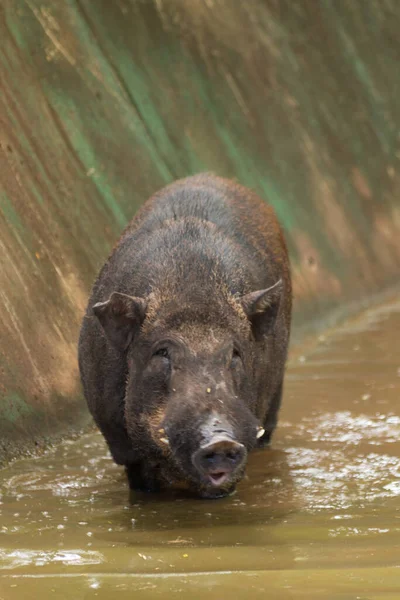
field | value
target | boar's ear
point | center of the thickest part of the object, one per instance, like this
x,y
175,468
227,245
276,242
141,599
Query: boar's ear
x,y
262,308
120,317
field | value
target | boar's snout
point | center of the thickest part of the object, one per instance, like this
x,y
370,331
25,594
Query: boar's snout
x,y
220,460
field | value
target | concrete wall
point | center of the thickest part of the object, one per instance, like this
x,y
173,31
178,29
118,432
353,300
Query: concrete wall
x,y
102,103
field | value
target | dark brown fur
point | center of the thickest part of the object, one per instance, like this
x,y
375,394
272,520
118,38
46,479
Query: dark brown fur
x,y
189,266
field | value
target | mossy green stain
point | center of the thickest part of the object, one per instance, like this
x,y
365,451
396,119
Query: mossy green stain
x,y
15,408
10,214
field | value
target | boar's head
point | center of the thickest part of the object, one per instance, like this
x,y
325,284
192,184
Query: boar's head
x,y
192,382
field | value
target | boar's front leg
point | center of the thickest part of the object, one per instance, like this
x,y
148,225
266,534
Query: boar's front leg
x,y
118,442
140,479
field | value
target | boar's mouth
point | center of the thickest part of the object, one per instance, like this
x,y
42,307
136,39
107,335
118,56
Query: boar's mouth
x,y
220,462
218,478
210,458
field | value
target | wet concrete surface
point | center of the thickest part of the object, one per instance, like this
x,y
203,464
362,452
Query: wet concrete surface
x,y
317,517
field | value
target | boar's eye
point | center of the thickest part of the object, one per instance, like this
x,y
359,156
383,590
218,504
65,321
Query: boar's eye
x,y
236,357
162,352
160,361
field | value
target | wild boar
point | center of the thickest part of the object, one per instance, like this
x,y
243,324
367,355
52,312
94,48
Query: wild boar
x,y
183,346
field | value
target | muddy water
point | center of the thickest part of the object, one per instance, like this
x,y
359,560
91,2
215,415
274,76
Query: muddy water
x,y
318,516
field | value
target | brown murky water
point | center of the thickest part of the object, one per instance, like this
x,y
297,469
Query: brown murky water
x,y
317,518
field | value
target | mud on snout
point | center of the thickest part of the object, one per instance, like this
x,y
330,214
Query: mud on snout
x,y
210,457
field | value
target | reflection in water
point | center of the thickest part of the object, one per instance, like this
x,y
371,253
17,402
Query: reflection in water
x,y
23,558
316,518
